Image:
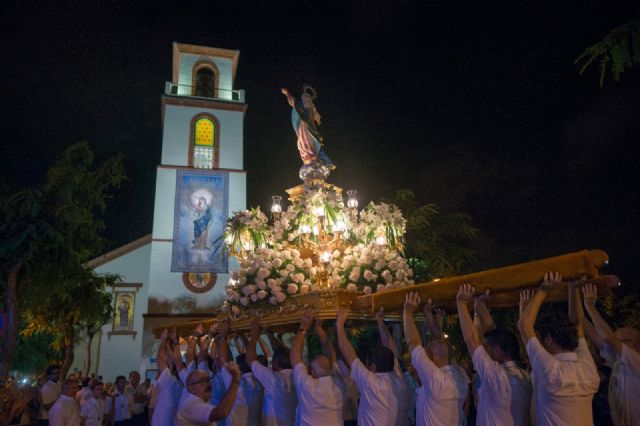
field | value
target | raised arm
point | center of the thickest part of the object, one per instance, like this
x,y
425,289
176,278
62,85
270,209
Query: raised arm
x,y
385,337
273,340
346,348
484,321
223,409
434,325
576,314
175,357
329,351
298,340
290,99
254,335
590,293
411,334
163,361
265,348
222,346
529,312
469,331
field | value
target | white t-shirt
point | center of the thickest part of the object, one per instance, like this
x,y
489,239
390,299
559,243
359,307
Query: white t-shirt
x,y
193,411
83,395
280,400
247,409
92,411
563,384
64,412
624,388
504,391
50,392
122,404
384,397
319,399
168,389
442,394
137,407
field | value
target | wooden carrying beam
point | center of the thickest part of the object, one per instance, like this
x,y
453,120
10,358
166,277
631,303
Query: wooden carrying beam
x,y
505,283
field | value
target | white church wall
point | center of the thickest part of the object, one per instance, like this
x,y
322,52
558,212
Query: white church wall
x,y
119,354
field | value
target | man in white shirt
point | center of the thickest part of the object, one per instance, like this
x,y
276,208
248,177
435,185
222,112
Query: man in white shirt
x,y
383,390
320,398
195,408
444,387
624,346
64,411
247,409
138,392
280,400
92,410
504,389
564,374
49,393
85,393
167,388
118,404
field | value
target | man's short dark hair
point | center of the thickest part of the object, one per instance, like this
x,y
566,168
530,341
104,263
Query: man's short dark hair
x,y
382,358
121,378
506,341
95,383
281,357
561,330
85,382
241,360
52,368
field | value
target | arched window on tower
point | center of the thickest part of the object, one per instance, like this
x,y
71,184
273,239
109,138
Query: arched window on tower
x,y
205,81
204,143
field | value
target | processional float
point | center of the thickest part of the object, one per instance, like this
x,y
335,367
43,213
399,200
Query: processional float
x,y
322,253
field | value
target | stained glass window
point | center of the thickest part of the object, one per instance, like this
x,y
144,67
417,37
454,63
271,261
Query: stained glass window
x,y
204,131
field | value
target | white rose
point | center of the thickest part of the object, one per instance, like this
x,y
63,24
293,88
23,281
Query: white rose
x,y
277,262
366,289
355,274
280,296
387,276
399,274
352,288
254,297
292,288
380,288
299,263
262,273
261,285
261,294
368,275
304,288
290,268
244,301
393,265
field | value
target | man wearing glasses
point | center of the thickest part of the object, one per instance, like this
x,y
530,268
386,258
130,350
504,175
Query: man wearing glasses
x,y
195,409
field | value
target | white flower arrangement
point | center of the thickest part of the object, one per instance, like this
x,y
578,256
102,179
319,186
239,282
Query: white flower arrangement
x,y
275,261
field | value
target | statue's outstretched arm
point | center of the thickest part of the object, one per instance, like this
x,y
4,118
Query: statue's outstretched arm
x,y
290,98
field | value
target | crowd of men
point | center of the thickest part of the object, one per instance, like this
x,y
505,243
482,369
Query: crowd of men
x,y
380,386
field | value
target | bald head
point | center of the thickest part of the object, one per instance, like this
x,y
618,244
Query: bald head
x,y
438,351
630,337
199,384
321,366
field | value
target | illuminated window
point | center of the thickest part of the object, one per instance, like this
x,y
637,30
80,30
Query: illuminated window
x,y
203,143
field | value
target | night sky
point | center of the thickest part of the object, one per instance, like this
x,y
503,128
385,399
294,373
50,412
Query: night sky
x,y
476,106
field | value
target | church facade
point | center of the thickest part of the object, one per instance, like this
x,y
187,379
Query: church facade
x,y
178,272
